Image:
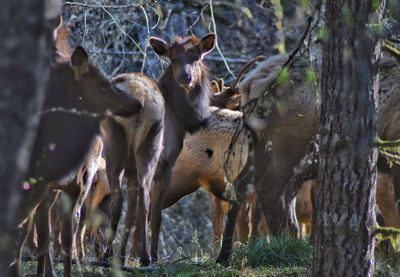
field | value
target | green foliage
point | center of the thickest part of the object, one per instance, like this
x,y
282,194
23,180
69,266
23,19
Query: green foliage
x,y
304,3
386,265
283,76
347,15
376,29
391,48
374,4
390,234
277,252
323,33
390,150
310,76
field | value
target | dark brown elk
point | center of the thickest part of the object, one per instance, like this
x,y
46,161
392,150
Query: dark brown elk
x,y
77,98
287,119
185,88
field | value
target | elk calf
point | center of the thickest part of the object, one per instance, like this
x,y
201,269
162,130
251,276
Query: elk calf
x,y
134,144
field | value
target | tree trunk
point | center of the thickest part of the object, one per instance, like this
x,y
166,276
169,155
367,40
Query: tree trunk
x,y
344,217
25,35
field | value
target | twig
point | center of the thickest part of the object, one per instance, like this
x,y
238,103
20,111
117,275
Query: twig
x,y
197,19
307,168
216,41
73,111
120,27
252,104
136,53
86,5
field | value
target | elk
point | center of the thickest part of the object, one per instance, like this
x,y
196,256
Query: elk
x,y
229,97
68,210
385,201
185,92
202,159
94,218
287,118
134,145
77,98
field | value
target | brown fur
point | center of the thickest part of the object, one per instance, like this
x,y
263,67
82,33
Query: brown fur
x,y
187,101
229,97
186,90
202,159
94,220
75,192
134,144
287,119
57,152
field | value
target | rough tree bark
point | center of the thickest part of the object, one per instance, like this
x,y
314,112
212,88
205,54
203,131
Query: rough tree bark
x,y
25,35
344,217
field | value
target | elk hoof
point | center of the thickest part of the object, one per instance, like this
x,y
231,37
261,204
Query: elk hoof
x,y
122,260
108,254
223,259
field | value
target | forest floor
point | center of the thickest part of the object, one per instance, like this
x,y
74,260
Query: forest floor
x,y
265,257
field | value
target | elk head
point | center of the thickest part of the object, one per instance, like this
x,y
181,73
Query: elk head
x,y
185,55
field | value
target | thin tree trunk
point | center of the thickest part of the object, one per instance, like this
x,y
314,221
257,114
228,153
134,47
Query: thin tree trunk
x,y
25,36
344,216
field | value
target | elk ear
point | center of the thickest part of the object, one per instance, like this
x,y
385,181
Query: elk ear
x,y
58,22
215,86
221,84
160,47
80,62
207,44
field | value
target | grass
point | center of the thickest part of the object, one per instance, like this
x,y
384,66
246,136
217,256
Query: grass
x,y
276,252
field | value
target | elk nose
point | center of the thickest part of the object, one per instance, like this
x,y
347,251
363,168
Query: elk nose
x,y
185,77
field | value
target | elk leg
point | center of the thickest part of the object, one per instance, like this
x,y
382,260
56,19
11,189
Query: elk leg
x,y
130,215
116,149
142,212
256,219
116,208
281,216
217,215
242,224
147,157
67,231
56,228
45,264
229,230
78,206
79,235
99,233
241,183
157,200
24,221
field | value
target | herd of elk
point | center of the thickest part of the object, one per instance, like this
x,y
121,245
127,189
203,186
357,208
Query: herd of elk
x,y
167,141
